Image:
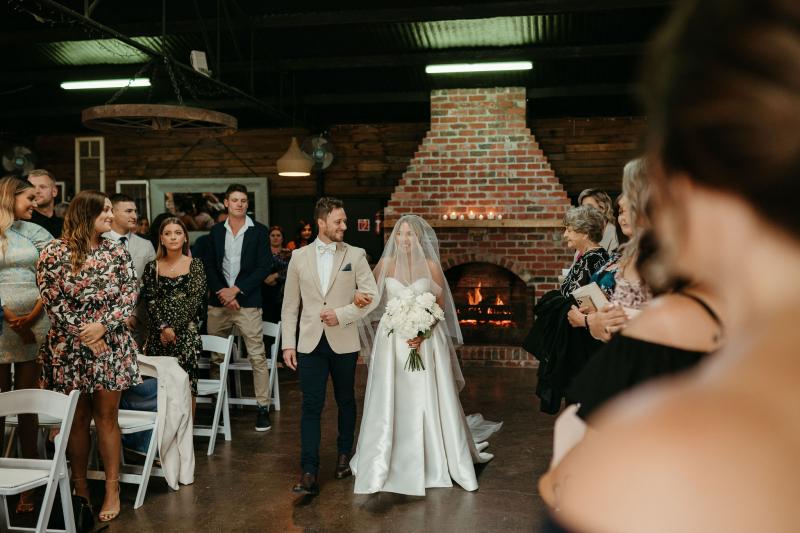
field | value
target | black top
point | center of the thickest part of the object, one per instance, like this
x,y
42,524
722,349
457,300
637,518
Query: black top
x,y
581,272
52,224
626,362
551,526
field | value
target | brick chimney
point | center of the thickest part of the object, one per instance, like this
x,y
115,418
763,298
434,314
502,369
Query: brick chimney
x,y
479,156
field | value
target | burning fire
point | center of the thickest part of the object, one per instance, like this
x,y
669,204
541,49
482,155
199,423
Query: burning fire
x,y
474,298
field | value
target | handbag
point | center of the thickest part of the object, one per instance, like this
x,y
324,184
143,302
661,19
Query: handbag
x,y
81,510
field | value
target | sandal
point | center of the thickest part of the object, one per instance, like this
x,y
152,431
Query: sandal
x,y
25,503
107,515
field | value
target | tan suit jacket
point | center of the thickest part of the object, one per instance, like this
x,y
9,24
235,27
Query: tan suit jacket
x,y
350,272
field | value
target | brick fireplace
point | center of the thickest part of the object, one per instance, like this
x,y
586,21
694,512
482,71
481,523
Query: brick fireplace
x,y
480,159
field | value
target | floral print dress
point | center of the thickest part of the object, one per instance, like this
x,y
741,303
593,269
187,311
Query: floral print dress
x,y
177,303
104,290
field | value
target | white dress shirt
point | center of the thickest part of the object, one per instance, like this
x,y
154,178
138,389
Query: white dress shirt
x,y
114,236
325,253
232,262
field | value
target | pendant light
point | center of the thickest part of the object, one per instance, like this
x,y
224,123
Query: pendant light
x,y
294,162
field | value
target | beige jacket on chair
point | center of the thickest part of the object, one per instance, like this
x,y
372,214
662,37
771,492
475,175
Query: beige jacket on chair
x,y
350,272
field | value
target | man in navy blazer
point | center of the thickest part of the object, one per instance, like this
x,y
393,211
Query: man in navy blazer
x,y
237,260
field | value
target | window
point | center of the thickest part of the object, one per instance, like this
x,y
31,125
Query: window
x,y
90,163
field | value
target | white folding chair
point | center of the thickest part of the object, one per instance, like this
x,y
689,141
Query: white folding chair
x,y
218,387
270,329
19,475
130,422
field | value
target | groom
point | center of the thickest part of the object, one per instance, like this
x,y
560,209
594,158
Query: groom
x,y
322,280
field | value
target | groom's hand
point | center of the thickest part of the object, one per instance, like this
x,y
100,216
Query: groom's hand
x,y
290,358
328,316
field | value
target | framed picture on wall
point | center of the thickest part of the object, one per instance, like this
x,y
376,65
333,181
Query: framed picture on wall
x,y
139,190
199,202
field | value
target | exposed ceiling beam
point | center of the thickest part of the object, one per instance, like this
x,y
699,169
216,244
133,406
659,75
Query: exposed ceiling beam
x,y
461,55
344,17
110,32
597,89
343,62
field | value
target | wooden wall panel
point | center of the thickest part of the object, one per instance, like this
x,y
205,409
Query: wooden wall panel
x,y
589,152
370,158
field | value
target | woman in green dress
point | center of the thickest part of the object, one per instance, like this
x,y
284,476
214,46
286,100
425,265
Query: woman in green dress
x,y
20,245
174,292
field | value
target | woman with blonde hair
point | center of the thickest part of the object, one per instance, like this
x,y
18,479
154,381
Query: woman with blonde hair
x,y
89,289
20,244
601,201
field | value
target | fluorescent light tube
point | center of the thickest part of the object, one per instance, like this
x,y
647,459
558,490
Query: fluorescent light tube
x,y
479,67
106,84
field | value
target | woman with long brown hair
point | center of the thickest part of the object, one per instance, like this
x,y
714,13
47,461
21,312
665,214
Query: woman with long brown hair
x,y
26,325
174,291
89,290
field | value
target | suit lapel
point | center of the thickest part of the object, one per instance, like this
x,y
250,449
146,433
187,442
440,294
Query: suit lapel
x,y
312,265
338,259
219,245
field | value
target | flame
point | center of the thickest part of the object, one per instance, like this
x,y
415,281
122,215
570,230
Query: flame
x,y
475,297
499,301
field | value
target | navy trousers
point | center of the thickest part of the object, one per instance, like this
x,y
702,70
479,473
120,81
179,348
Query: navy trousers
x,y
314,369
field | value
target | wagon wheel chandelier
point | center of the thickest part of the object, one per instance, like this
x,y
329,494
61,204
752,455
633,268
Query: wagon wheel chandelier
x,y
158,119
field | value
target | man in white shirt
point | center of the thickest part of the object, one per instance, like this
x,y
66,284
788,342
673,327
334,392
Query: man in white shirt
x,y
237,260
141,251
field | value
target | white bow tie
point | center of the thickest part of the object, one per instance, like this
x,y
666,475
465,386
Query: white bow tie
x,y
326,248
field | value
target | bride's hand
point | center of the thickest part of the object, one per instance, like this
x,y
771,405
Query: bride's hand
x,y
415,343
362,299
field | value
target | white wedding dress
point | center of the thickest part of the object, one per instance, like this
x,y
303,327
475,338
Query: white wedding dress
x,y
414,434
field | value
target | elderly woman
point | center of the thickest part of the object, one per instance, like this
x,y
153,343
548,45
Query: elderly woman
x,y
561,349
601,201
583,231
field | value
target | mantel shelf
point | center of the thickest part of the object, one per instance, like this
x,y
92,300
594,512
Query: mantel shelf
x,y
505,223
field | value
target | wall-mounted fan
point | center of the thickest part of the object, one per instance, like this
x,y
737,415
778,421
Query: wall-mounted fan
x,y
19,160
320,150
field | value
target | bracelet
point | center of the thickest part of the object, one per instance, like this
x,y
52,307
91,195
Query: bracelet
x,y
586,320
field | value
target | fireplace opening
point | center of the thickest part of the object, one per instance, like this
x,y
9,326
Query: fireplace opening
x,y
493,304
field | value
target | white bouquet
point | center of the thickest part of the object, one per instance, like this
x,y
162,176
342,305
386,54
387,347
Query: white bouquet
x,y
413,315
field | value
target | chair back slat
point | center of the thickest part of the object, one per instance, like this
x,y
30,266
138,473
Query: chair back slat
x,y
271,329
33,401
212,343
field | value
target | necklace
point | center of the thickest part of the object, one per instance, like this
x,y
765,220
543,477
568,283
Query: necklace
x,y
172,267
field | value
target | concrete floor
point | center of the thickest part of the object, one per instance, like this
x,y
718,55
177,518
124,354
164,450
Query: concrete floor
x,y
245,485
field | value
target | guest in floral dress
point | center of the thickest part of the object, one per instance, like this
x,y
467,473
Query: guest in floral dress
x,y
174,292
89,290
20,244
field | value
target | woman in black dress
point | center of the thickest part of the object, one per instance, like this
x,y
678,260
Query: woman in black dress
x,y
561,349
174,292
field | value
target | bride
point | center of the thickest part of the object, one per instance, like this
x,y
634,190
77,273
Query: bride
x,y
414,434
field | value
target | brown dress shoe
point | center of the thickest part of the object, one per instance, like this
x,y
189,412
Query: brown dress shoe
x,y
307,485
343,467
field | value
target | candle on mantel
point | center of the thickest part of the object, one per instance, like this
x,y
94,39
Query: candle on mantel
x,y
453,215
472,215
480,217
499,217
491,215
460,217
444,217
